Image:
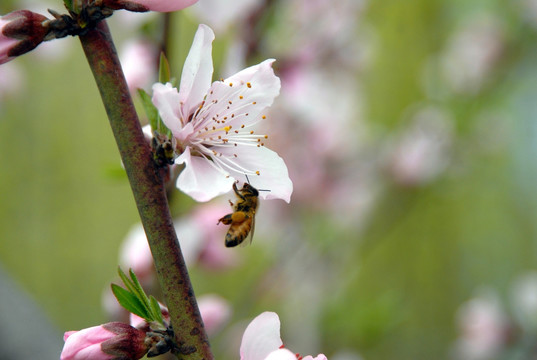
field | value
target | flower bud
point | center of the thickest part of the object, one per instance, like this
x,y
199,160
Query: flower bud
x,y
109,341
20,32
149,5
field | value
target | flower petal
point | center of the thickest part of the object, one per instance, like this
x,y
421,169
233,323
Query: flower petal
x,y
273,173
248,93
197,70
84,341
281,354
200,179
164,5
318,357
167,100
261,337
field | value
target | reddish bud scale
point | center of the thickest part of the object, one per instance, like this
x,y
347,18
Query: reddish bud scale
x,y
128,344
27,27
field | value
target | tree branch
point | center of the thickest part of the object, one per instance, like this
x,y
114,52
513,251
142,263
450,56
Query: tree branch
x,y
149,194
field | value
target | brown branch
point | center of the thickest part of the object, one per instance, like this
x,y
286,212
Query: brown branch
x,y
149,194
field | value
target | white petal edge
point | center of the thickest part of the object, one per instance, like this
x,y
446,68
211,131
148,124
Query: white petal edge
x,y
318,357
281,354
166,100
263,87
261,337
200,179
197,70
274,175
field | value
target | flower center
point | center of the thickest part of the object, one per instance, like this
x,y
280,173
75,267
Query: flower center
x,y
223,128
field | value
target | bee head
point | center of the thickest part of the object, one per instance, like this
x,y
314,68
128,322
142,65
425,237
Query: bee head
x,y
248,189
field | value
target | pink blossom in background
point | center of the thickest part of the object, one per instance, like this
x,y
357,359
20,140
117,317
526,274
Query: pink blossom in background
x,y
214,309
215,312
423,151
213,126
483,326
149,5
472,52
135,252
104,342
325,29
220,14
321,111
201,240
139,60
214,255
261,341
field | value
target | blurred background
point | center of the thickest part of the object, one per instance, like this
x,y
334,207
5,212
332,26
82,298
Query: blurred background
x,y
410,134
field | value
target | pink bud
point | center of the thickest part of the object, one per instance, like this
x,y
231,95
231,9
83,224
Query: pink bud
x,y
215,312
149,5
20,32
109,341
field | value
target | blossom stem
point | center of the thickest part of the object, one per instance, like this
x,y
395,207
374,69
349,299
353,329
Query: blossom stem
x,y
149,194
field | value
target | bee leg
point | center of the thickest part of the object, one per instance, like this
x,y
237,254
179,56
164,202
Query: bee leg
x,y
239,194
237,216
226,220
231,203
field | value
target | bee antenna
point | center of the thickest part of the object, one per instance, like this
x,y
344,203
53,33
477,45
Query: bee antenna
x,y
251,184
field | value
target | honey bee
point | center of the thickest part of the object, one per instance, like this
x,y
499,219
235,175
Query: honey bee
x,y
242,219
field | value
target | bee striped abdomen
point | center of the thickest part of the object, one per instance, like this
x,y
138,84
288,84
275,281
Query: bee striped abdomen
x,y
242,219
238,232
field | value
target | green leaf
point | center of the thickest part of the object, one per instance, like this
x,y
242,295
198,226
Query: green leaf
x,y
68,4
134,287
130,302
164,73
155,309
128,282
150,109
140,291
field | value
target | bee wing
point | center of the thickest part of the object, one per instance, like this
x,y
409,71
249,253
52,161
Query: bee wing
x,y
250,236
